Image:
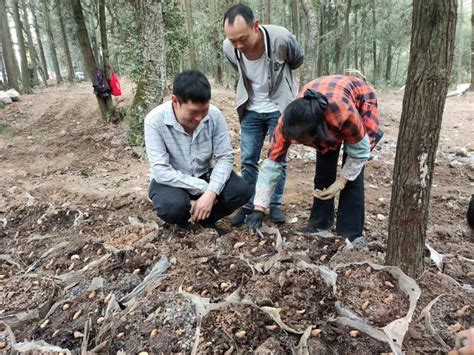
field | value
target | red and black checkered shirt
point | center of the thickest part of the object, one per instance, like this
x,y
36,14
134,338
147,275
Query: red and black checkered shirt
x,y
351,113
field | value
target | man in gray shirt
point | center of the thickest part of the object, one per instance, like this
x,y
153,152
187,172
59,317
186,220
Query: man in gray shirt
x,y
264,57
182,137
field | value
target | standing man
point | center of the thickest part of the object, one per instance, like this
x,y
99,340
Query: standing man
x,y
182,136
264,57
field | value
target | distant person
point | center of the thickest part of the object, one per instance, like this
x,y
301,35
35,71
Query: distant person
x,y
264,57
182,137
330,111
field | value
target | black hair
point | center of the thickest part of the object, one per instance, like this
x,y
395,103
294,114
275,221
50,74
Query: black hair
x,y
192,85
305,117
242,10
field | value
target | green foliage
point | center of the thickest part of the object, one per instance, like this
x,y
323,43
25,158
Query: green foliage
x,y
135,139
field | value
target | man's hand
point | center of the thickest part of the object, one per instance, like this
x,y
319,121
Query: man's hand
x,y
203,206
254,220
331,191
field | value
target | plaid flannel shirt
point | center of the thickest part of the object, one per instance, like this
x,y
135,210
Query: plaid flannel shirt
x,y
350,115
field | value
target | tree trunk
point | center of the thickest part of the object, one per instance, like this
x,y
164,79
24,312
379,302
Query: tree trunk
x,y
151,86
427,82
295,18
311,41
52,45
472,45
388,69
397,67
87,54
67,52
103,39
25,71
11,65
266,11
44,64
459,49
105,53
356,43
216,45
345,38
31,46
190,30
337,44
374,43
322,31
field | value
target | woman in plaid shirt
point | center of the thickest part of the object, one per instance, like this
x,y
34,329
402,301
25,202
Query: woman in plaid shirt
x,y
329,111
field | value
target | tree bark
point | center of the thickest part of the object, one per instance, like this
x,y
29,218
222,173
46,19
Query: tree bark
x,y
44,64
322,31
31,46
151,86
472,45
52,44
388,69
105,53
67,52
216,45
356,43
87,54
25,72
103,39
337,44
190,30
11,65
295,19
311,41
429,70
266,11
345,37
459,42
374,43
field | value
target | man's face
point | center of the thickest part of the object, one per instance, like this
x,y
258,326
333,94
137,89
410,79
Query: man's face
x,y
242,36
189,114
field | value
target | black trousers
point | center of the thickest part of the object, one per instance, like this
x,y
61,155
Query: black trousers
x,y
173,204
351,210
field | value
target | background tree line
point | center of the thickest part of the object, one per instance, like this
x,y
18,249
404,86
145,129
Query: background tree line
x,y
41,46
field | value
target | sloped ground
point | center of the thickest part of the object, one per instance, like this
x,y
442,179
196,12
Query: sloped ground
x,y
78,229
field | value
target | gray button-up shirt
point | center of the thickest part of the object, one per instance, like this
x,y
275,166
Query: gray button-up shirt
x,y
178,159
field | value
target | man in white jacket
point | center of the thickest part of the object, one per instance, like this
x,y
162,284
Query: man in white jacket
x,y
264,56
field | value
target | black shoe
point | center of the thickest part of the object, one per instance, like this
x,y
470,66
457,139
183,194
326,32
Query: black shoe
x,y
220,231
277,215
180,227
311,229
239,218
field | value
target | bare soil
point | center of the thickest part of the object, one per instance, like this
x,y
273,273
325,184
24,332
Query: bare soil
x,y
302,296
69,180
240,327
372,294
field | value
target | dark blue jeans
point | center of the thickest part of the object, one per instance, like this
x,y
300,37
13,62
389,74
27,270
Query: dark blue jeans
x,y
350,211
253,130
173,204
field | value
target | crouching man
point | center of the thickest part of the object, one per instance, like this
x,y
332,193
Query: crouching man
x,y
182,137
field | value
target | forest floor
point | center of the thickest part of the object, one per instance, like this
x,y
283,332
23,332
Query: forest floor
x,y
77,235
